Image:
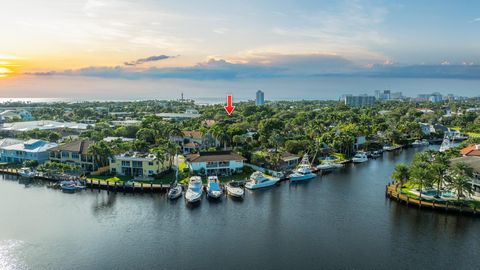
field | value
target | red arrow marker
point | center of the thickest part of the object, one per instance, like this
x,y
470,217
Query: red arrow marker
x,y
229,108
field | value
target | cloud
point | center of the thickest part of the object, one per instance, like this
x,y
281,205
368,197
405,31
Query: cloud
x,y
148,59
272,66
476,20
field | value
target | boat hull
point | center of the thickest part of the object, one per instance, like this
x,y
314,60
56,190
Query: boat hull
x,y
302,178
260,185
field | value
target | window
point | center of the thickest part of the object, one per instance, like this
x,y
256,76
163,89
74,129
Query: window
x,y
125,163
65,155
137,164
75,155
150,163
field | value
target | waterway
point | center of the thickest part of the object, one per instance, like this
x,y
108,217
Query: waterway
x,y
338,221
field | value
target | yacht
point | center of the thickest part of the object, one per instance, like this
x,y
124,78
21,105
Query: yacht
x,y
214,190
360,157
260,180
329,166
420,143
235,190
26,172
388,147
376,154
446,144
175,192
195,190
303,171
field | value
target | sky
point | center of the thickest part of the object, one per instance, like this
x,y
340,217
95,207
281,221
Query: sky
x,y
120,45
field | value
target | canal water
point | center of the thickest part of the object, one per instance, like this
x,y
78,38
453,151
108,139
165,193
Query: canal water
x,y
338,221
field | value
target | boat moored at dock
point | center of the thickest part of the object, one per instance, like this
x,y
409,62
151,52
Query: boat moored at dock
x,y
26,172
235,190
195,190
260,180
175,192
214,190
303,171
360,157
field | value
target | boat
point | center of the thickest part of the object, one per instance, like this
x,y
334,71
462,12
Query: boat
x,y
376,154
175,192
214,190
326,167
235,190
388,147
303,171
329,166
26,172
420,143
360,157
260,180
68,186
446,144
195,190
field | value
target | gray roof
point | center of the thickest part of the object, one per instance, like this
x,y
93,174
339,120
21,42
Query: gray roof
x,y
472,161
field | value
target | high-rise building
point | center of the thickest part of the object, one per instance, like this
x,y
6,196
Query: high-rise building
x,y
436,97
359,101
260,98
383,95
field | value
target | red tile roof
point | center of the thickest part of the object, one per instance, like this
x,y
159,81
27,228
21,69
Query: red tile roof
x,y
471,150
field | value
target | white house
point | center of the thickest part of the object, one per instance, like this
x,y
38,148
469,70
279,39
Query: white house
x,y
215,163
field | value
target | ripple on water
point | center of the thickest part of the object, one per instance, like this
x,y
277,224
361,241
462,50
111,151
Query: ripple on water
x,y
9,259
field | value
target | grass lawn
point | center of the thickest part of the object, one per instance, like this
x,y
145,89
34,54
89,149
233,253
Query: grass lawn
x,y
118,178
473,134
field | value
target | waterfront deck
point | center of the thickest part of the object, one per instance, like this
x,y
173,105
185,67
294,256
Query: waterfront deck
x,y
105,185
393,194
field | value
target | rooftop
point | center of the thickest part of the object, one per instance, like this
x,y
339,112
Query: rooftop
x,y
471,161
471,150
43,125
80,146
214,156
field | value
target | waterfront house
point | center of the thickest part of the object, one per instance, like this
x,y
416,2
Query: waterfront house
x,y
36,150
192,141
75,153
474,163
289,161
215,163
136,164
471,150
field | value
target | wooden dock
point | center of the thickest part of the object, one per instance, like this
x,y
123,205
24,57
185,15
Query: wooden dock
x,y
444,206
104,185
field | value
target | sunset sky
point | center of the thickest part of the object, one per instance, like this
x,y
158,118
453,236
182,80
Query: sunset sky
x,y
60,41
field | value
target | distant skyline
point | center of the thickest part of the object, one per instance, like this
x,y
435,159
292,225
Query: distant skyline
x,y
80,45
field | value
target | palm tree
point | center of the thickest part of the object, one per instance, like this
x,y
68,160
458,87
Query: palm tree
x,y
460,179
401,174
439,167
160,154
421,172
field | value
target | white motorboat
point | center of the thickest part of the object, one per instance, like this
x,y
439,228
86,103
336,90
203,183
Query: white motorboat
x,y
376,154
360,157
446,144
214,190
26,172
329,166
260,180
235,190
175,192
303,171
420,143
387,147
195,190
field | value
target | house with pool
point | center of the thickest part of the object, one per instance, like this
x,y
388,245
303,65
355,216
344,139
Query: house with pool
x,y
474,163
215,163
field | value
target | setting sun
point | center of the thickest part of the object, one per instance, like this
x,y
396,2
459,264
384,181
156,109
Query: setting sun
x,y
4,72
